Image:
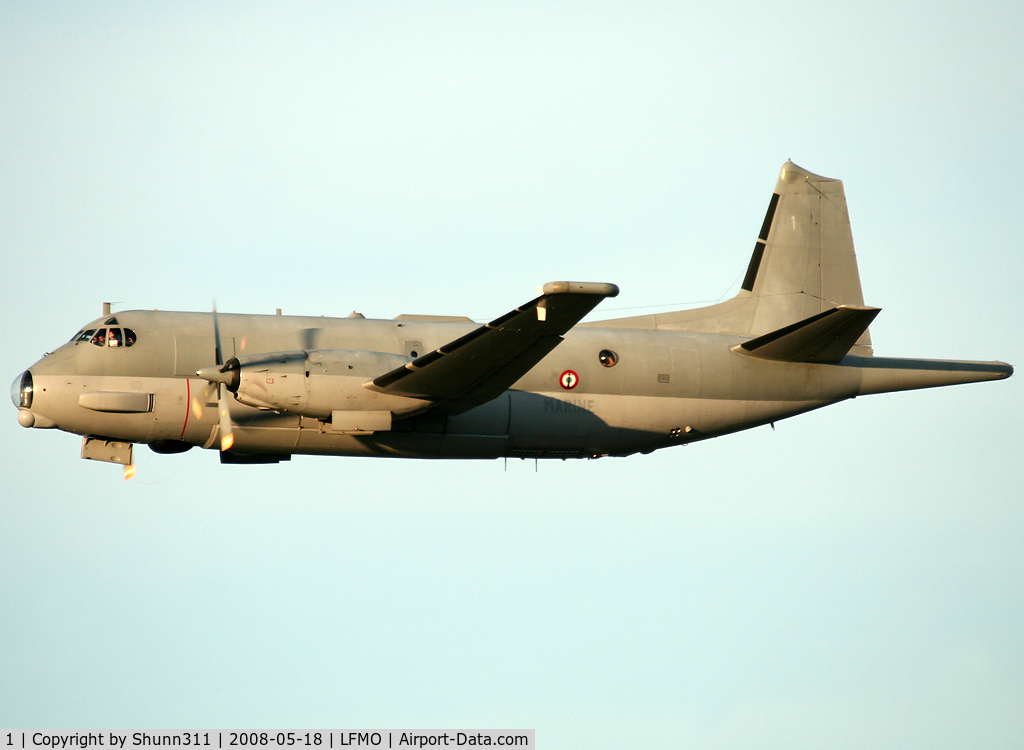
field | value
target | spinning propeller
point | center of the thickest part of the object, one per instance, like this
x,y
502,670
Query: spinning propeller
x,y
223,377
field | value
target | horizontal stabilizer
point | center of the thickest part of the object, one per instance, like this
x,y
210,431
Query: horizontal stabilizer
x,y
825,338
484,363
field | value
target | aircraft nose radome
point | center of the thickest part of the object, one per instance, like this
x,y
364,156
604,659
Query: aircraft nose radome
x,y
21,395
21,390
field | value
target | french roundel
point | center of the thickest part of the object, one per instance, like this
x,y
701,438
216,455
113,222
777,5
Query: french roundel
x,y
569,380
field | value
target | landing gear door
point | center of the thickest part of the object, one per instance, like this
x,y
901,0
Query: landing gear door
x,y
112,451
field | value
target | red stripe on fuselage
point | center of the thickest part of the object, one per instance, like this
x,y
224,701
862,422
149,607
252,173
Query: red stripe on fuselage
x,y
188,405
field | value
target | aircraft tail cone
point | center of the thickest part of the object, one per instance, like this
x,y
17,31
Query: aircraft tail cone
x,y
885,374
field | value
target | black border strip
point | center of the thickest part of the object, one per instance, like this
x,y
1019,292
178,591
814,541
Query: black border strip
x,y
762,239
755,263
768,217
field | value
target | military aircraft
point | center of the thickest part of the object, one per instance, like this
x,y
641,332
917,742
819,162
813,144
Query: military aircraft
x,y
535,383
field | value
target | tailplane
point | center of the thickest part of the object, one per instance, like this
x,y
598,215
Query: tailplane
x,y
825,338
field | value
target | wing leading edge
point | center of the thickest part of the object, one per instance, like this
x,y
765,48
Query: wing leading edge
x,y
483,364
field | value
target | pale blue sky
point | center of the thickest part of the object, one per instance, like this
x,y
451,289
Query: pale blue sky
x,y
854,578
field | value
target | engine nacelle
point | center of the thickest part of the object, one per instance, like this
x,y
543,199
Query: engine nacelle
x,y
318,383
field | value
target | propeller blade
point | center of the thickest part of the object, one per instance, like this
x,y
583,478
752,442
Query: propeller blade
x,y
197,404
216,337
129,472
223,377
227,435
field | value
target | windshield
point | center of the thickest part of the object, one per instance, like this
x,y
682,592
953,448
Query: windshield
x,y
107,337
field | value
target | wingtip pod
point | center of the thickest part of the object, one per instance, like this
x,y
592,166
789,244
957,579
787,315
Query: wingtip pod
x,y
884,375
580,287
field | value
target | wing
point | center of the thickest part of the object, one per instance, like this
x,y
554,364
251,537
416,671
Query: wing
x,y
481,365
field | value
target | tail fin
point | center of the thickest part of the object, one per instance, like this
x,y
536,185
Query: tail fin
x,y
803,261
803,264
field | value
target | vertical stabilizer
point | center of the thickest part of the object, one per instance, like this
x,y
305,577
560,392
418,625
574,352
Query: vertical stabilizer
x,y
803,264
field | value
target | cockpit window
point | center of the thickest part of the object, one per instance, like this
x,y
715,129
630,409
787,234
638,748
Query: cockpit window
x,y
107,337
110,321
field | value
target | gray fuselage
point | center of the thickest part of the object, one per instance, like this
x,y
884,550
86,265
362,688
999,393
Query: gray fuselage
x,y
665,388
532,383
